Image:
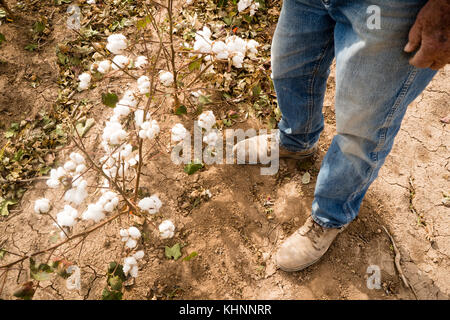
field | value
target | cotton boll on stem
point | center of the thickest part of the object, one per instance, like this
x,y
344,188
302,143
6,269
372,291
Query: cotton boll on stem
x,y
117,43
166,78
179,132
42,205
141,61
120,62
85,81
151,204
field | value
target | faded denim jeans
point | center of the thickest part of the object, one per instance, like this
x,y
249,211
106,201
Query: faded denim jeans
x,y
374,85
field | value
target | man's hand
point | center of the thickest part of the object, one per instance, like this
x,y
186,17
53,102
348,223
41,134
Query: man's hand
x,y
430,36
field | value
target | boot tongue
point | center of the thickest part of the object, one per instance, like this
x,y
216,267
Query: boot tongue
x,y
313,231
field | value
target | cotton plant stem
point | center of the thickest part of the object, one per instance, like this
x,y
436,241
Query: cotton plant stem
x,y
78,235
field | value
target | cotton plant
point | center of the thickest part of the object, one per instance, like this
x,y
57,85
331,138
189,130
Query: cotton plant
x,y
130,264
151,204
130,236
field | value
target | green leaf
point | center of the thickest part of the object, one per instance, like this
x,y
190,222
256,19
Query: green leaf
x,y
181,110
2,38
111,295
195,65
141,24
204,100
110,99
38,27
191,256
192,167
41,272
31,47
83,128
115,283
4,204
116,270
174,252
26,291
2,253
256,90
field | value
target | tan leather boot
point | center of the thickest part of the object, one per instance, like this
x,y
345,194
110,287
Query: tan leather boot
x,y
305,246
260,146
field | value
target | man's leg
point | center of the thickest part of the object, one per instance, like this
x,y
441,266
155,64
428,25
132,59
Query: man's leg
x,y
374,86
302,51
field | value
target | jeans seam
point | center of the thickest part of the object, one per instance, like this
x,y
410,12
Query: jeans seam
x,y
311,86
405,87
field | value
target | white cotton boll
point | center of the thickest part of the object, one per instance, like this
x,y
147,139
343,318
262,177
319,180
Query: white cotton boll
x,y
104,66
133,161
166,78
188,2
77,158
123,233
90,1
237,60
42,205
166,229
236,44
204,33
77,194
109,207
120,62
206,120
121,110
126,268
80,168
134,271
66,218
253,8
197,93
134,232
62,235
94,212
179,132
144,84
141,61
150,204
211,138
117,43
85,80
252,45
60,172
149,129
131,243
70,166
139,117
139,255
131,261
203,43
244,4
53,183
113,133
220,49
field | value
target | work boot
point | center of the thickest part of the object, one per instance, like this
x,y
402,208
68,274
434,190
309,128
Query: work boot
x,y
305,246
260,146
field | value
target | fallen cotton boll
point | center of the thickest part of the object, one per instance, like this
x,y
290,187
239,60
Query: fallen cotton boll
x,y
166,229
141,61
143,84
94,212
117,43
104,66
42,205
179,132
206,120
149,130
120,62
166,78
85,80
150,204
66,218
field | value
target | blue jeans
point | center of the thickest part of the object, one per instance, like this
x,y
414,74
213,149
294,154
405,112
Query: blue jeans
x,y
374,85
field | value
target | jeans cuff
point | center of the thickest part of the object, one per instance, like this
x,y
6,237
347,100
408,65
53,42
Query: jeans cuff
x,y
325,225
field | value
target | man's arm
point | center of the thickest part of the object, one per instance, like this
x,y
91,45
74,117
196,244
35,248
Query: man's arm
x,y
430,36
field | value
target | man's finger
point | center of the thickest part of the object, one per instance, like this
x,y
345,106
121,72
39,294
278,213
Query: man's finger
x,y
422,59
437,65
414,38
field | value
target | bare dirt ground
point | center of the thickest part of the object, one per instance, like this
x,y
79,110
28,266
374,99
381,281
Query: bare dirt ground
x,y
237,230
